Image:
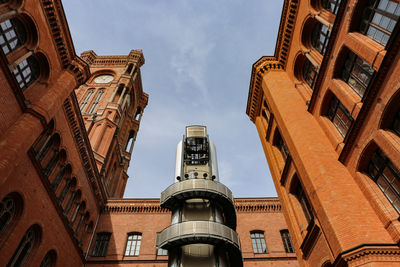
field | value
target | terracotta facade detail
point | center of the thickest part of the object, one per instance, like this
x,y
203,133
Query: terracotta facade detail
x,y
327,124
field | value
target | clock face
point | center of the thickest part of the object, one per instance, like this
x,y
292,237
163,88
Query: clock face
x,y
103,79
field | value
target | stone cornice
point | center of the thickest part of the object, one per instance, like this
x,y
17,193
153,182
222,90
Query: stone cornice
x,y
369,253
276,62
134,206
135,56
152,205
58,26
257,205
262,66
84,148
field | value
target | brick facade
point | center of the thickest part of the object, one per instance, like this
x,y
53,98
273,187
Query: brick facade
x,y
67,129
324,107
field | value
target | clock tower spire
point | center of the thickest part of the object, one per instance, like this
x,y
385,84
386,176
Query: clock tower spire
x,y
112,103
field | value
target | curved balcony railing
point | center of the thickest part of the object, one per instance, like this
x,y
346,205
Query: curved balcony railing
x,y
205,232
201,188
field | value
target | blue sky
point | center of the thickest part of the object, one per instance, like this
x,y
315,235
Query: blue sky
x,y
198,64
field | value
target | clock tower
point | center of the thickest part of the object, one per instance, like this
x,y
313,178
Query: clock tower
x,y
112,103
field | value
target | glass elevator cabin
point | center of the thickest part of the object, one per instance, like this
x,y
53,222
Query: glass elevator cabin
x,y
203,222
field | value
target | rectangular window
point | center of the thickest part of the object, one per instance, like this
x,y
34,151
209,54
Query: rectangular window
x,y
86,99
96,101
287,242
258,241
162,252
101,245
357,73
133,244
340,116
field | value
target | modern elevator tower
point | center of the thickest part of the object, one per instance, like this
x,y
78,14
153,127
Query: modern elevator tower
x,y
203,222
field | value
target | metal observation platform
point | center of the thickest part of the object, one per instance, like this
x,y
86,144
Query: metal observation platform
x,y
201,188
203,219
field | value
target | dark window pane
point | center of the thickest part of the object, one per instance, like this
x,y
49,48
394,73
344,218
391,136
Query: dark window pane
x,y
305,205
357,73
101,245
386,176
340,116
309,73
331,5
287,242
320,37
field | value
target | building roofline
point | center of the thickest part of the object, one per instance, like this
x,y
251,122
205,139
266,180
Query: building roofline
x,y
276,62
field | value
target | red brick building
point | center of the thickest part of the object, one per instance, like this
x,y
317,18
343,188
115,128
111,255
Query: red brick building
x,y
67,130
326,107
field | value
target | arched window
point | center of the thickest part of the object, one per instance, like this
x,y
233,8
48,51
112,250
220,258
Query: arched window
x,y
296,189
12,35
287,241
96,101
80,207
138,113
10,209
49,259
83,218
331,5
27,72
266,113
129,69
378,19
7,212
25,247
320,37
64,171
357,73
386,176
310,73
305,205
75,197
258,242
281,145
129,142
86,100
391,115
101,244
133,244
326,264
53,161
70,183
396,122
339,116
